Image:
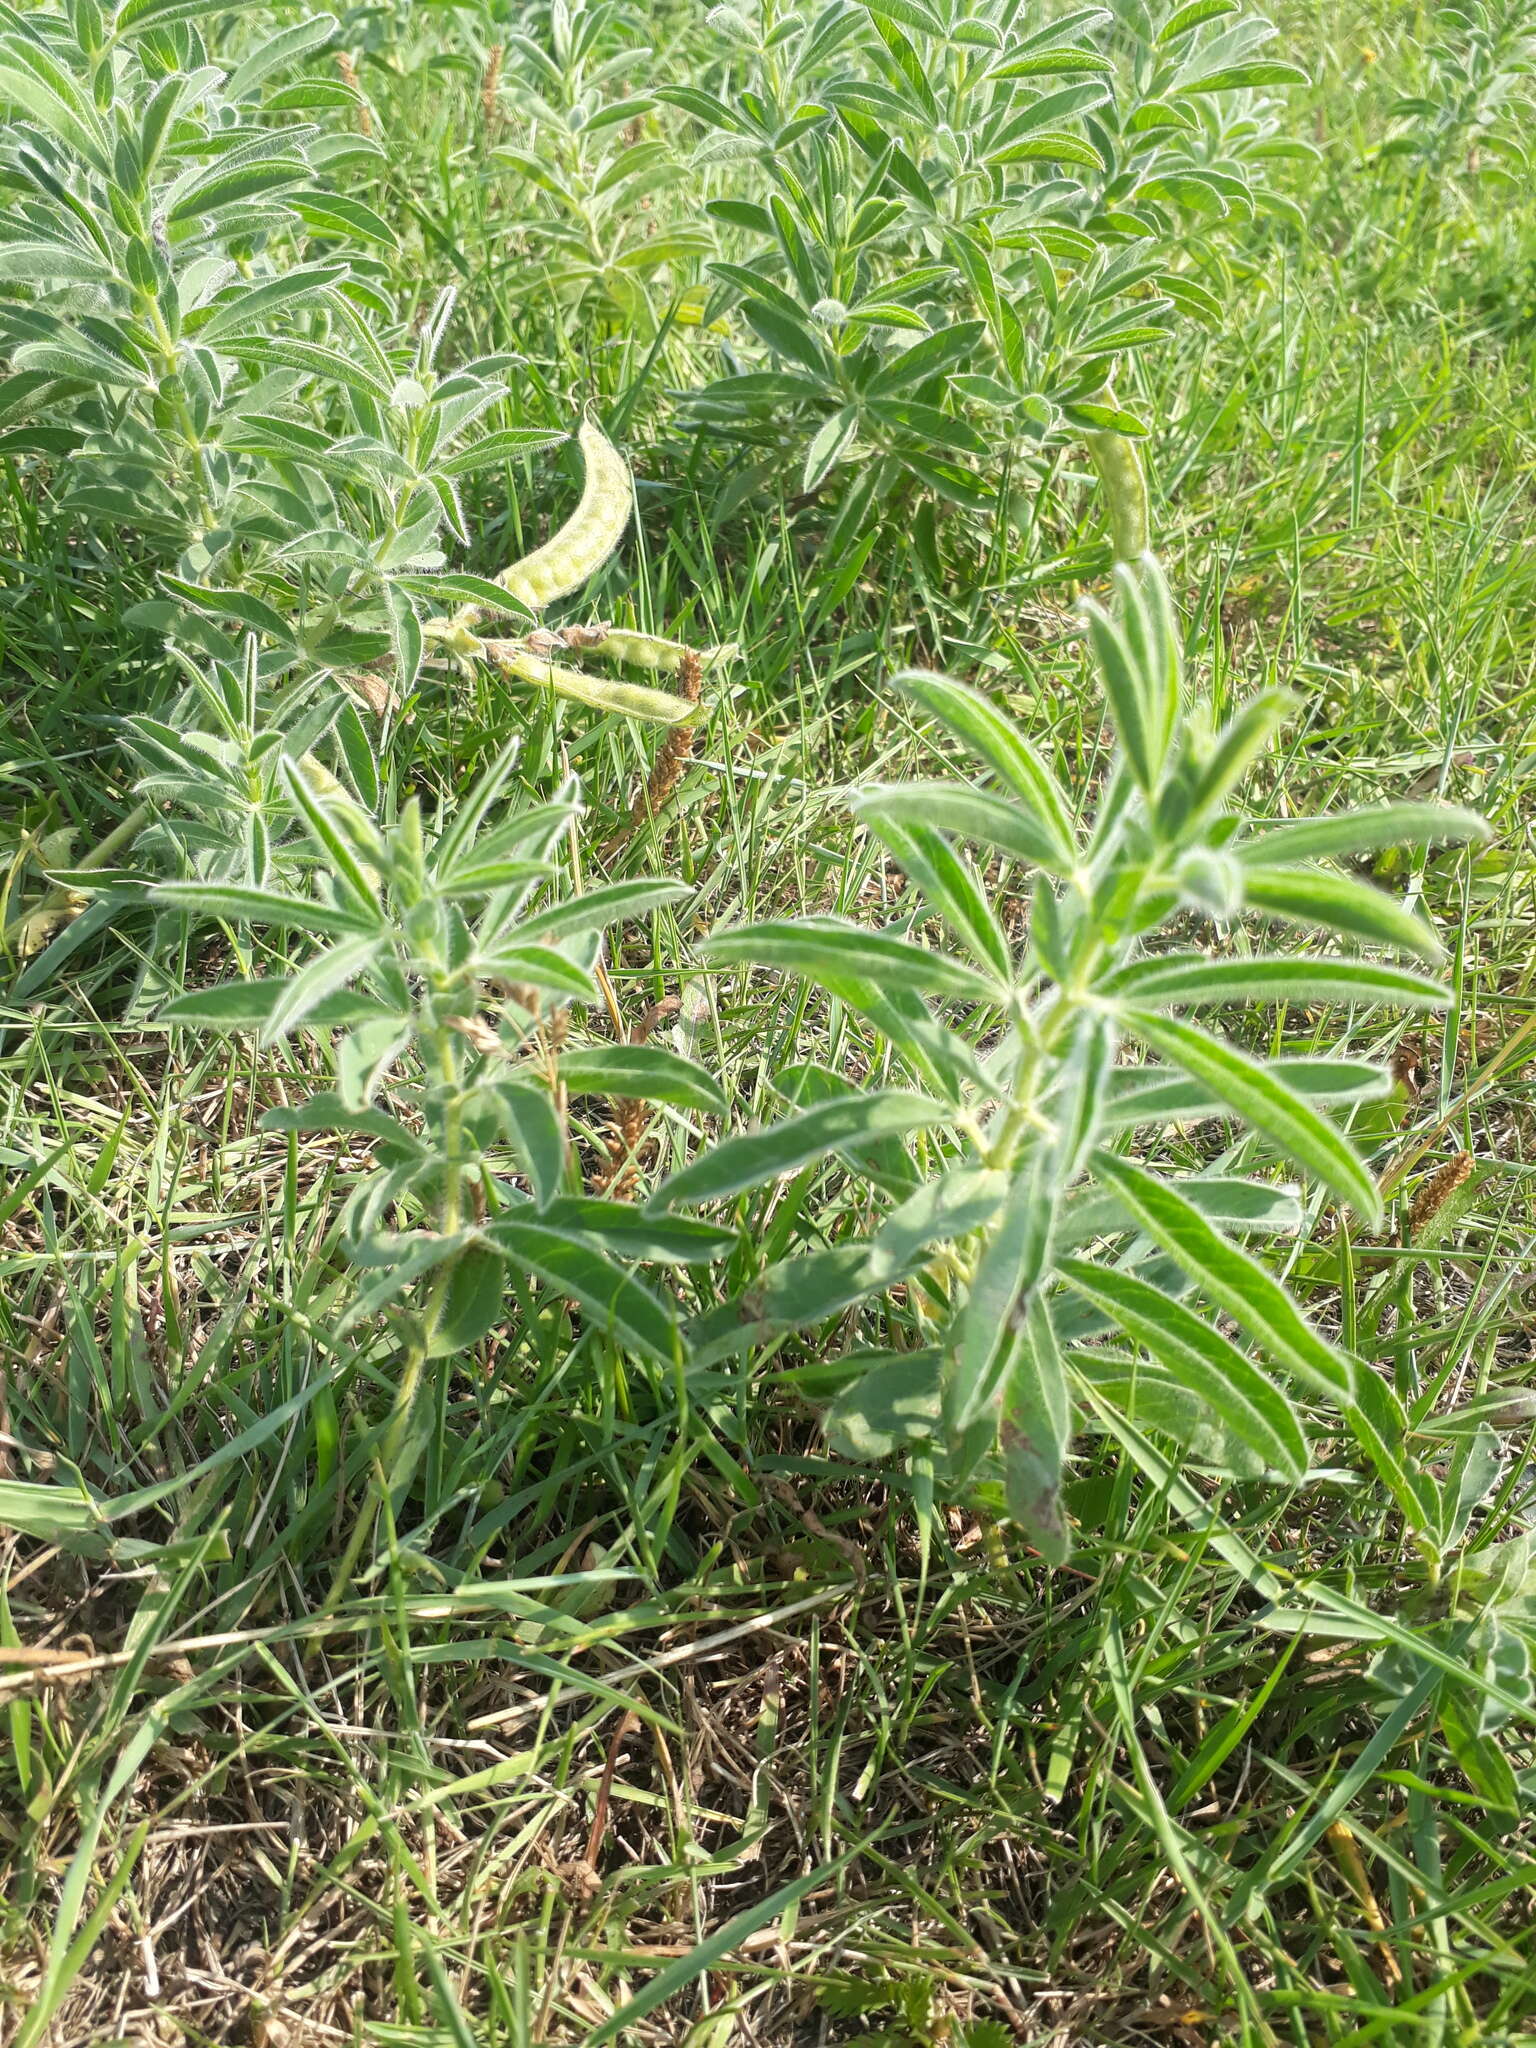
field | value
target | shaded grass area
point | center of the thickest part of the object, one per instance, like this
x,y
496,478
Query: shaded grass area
x,y
644,1719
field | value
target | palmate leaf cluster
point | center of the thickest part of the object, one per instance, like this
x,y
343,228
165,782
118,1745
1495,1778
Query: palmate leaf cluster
x,y
959,220
1048,1272
914,245
205,346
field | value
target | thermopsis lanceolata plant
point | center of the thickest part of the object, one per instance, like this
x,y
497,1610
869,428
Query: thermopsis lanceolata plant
x,y
1055,1270
446,970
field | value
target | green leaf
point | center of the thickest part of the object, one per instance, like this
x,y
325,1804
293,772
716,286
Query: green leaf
x,y
1364,831
424,1251
1035,1432
951,887
832,440
220,187
247,1006
1237,1207
1145,1095
1239,77
1194,978
1191,15
1049,63
756,1157
1012,1265
1249,1403
635,1233
834,951
998,744
278,51
63,1515
1260,1098
786,337
323,976
594,911
1050,145
894,1402
259,906
540,967
1338,903
536,1133
942,1211
1232,1278
969,814
644,1073
471,1303
405,636
52,263
327,1111
314,360
338,214
507,444
611,1298
327,820
926,358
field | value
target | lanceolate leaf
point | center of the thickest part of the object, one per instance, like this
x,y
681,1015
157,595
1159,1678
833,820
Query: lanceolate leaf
x,y
611,1298
1193,979
1338,903
1354,832
1011,1266
969,814
1034,1432
757,1157
259,907
1209,1364
950,884
647,1073
1259,1098
998,744
833,950
1232,1279
1147,1095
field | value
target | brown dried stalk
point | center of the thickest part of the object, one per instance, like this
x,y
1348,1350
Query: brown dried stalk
x,y
617,1176
348,70
1437,1191
667,772
490,107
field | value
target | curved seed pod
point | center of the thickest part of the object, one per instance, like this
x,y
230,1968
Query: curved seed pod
x,y
1124,484
571,557
633,700
649,650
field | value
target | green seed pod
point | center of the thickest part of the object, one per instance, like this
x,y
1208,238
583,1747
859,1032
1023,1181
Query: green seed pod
x,y
1124,484
571,557
633,700
649,650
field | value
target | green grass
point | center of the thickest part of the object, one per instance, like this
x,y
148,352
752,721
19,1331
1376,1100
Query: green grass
x,y
644,1718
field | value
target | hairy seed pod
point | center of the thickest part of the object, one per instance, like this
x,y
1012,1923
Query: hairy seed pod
x,y
571,557
632,699
649,650
1124,484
